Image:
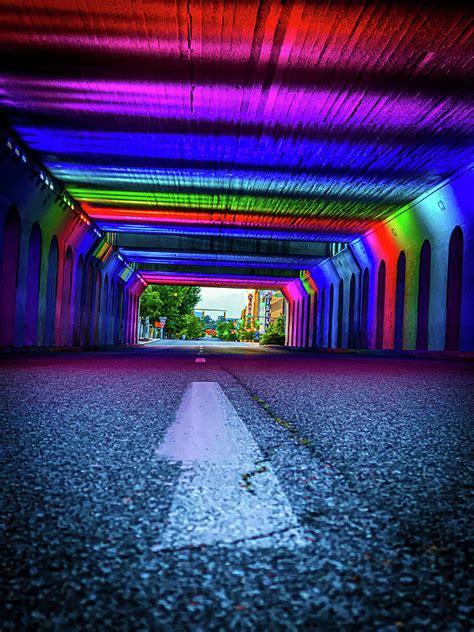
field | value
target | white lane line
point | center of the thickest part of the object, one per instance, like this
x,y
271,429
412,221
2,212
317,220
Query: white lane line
x,y
211,504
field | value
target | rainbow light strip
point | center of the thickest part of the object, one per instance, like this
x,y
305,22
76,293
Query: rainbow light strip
x,y
212,259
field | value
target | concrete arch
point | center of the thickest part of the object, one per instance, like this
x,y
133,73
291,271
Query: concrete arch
x,y
340,313
424,279
112,315
135,319
299,322
51,293
78,302
289,323
313,319
351,335
132,312
120,312
364,317
118,299
331,315
400,301
87,327
65,323
380,316
454,290
96,309
321,317
104,311
133,324
9,276
129,316
33,286
126,313
293,323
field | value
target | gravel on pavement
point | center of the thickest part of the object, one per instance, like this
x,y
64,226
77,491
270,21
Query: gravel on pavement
x,y
373,456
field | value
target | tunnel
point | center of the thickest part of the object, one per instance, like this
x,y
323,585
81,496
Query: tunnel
x,y
348,176
319,149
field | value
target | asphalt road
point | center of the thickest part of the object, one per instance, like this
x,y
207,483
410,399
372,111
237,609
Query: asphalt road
x,y
258,490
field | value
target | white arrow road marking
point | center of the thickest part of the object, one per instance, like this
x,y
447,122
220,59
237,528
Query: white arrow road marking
x,y
212,503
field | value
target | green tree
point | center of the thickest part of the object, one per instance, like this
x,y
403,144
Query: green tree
x,y
275,334
172,301
192,327
226,330
245,333
151,303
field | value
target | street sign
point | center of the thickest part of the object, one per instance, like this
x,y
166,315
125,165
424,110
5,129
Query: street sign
x,y
162,326
268,309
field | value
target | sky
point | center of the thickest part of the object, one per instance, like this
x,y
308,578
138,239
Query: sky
x,y
232,300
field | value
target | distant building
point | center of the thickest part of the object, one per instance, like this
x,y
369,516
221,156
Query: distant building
x,y
250,314
277,306
272,305
262,308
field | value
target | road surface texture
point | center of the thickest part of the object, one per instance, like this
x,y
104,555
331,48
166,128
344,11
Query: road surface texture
x,y
258,490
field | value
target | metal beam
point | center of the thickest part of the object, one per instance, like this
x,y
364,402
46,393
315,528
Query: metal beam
x,y
220,245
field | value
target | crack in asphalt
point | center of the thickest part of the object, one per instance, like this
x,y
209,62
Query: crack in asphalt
x,y
248,476
287,425
292,430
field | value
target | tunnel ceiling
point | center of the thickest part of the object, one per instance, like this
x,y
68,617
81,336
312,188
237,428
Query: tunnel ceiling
x,y
286,121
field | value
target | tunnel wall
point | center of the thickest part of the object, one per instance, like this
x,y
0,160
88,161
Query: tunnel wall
x,y
408,284
62,283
